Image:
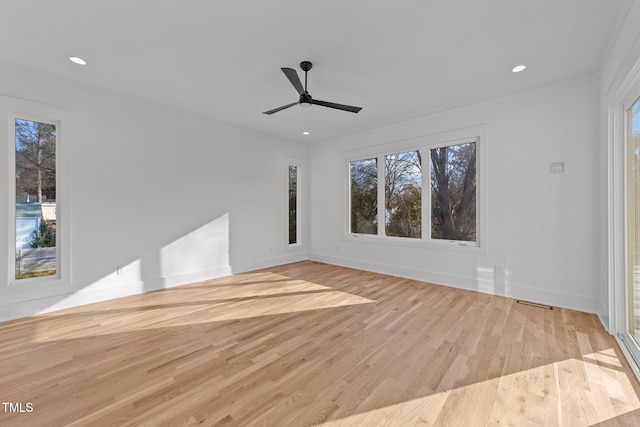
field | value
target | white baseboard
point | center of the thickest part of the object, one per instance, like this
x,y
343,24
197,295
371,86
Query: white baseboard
x,y
604,320
541,296
92,294
31,307
242,267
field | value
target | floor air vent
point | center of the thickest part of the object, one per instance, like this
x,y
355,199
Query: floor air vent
x,y
534,304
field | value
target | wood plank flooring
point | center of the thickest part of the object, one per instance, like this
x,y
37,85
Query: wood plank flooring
x,y
313,344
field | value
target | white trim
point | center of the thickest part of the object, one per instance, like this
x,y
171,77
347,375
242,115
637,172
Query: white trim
x,y
244,266
14,108
628,92
300,241
478,284
380,186
347,212
616,172
626,351
12,197
39,304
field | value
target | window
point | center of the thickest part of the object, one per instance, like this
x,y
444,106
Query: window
x,y
364,196
37,196
293,205
403,194
632,137
35,201
39,252
624,208
437,206
453,192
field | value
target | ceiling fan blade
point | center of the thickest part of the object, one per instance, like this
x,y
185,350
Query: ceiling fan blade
x,y
337,106
292,75
275,110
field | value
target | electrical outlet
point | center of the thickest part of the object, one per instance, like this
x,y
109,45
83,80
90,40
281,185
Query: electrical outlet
x,y
498,268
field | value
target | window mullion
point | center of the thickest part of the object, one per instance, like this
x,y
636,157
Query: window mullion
x,y
426,194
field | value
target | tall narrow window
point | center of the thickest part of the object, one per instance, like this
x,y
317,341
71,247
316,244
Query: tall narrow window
x,y
35,204
364,196
293,204
453,192
633,222
403,194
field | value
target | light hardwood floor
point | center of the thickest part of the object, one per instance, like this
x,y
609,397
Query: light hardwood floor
x,y
313,344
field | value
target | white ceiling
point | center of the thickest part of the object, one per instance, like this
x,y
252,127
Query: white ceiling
x,y
396,59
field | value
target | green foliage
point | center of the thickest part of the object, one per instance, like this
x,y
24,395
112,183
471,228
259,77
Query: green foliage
x,y
405,219
403,194
44,237
364,196
39,273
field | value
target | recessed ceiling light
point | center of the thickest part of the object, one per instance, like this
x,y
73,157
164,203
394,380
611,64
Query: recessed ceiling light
x,y
518,68
77,60
305,133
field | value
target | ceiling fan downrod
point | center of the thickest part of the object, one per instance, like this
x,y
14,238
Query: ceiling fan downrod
x,y
306,66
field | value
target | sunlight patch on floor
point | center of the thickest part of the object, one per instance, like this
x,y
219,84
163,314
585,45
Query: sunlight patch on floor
x,y
181,311
572,392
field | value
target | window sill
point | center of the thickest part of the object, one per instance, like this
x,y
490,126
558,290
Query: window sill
x,y
448,245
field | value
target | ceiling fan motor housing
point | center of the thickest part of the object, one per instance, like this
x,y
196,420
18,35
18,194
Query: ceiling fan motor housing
x,y
306,100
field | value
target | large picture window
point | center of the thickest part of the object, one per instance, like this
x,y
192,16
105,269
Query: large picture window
x,y
429,194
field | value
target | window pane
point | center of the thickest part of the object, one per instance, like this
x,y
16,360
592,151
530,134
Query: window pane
x,y
403,194
293,204
453,195
364,196
35,159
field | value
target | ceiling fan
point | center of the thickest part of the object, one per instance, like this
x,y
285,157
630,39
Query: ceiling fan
x,y
305,98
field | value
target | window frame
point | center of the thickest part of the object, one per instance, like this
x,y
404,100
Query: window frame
x,y
423,143
428,203
384,193
378,192
617,322
299,180
24,110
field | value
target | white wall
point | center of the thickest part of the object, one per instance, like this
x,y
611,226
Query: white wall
x,y
171,197
542,228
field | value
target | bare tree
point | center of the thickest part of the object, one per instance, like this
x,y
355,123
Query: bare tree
x,y
36,158
403,194
453,198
